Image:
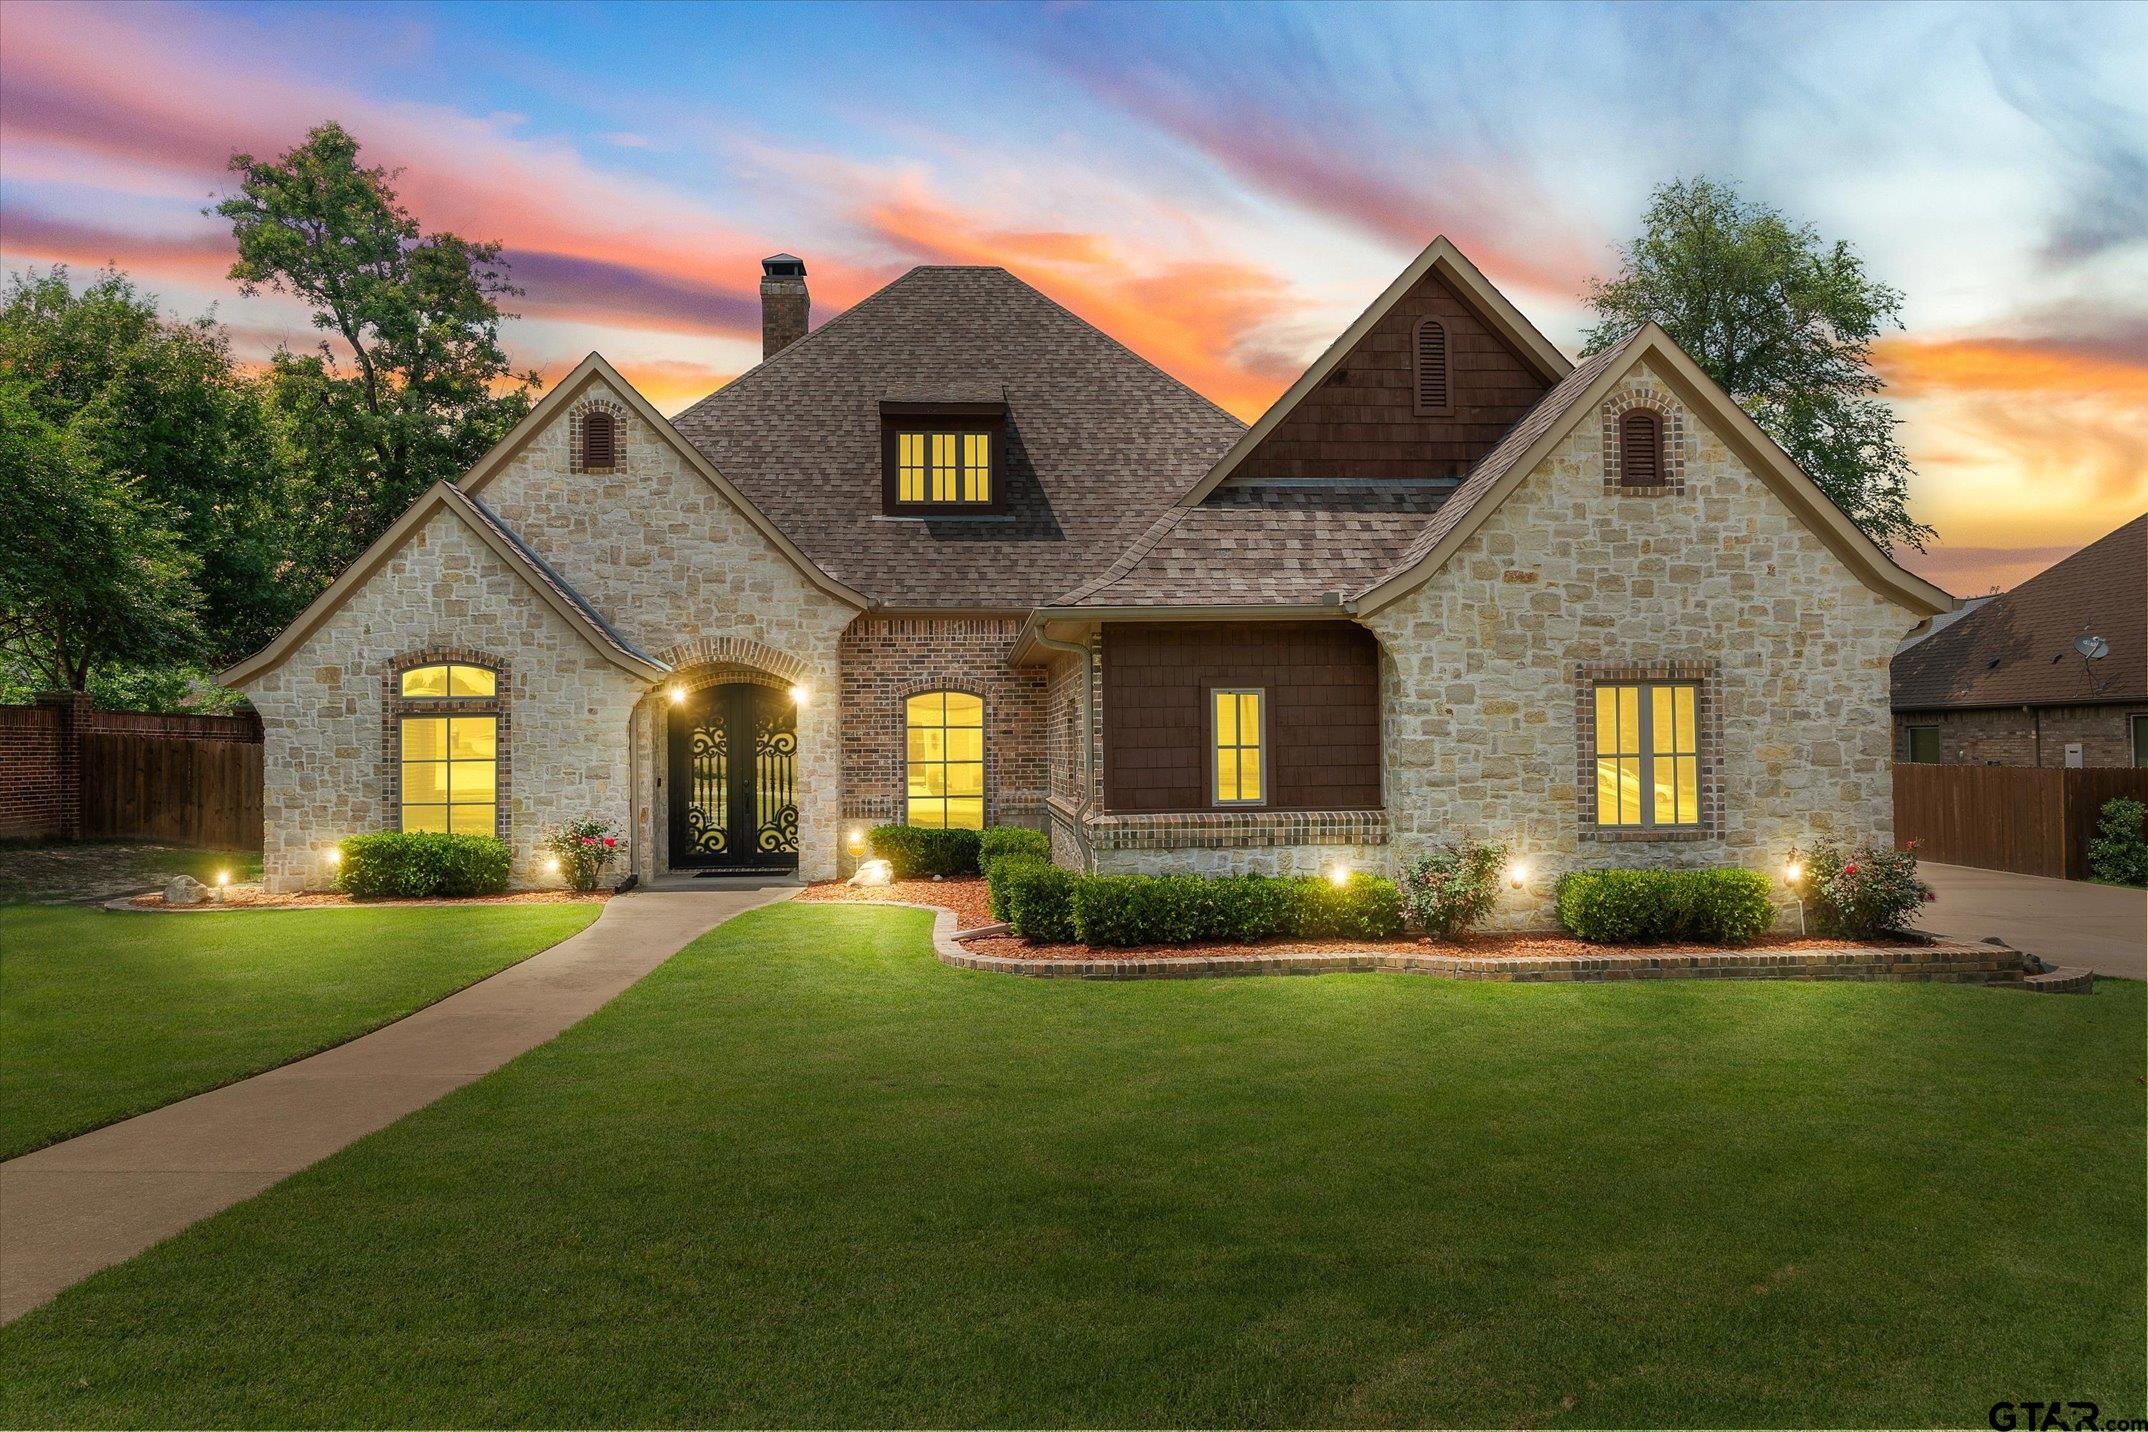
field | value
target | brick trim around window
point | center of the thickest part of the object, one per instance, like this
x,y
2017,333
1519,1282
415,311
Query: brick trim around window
x,y
1703,676
394,706
577,418
1670,441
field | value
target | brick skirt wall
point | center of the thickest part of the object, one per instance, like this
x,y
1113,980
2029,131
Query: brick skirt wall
x,y
33,795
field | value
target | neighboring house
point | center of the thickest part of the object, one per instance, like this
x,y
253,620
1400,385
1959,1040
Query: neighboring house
x,y
956,557
2009,684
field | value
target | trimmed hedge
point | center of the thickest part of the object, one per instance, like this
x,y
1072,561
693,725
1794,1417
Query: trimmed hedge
x,y
997,842
1038,899
1123,910
920,852
1624,907
414,865
1366,907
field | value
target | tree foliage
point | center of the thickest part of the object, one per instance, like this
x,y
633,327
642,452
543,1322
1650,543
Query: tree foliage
x,y
153,410
410,385
1784,322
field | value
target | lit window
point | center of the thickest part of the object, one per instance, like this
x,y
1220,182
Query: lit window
x,y
1924,745
1240,729
423,682
451,773
1647,756
943,469
946,766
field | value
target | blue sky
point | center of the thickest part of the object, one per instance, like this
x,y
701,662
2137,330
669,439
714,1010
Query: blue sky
x,y
1222,187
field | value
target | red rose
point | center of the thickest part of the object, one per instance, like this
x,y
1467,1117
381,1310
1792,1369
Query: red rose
x,y
609,842
1850,869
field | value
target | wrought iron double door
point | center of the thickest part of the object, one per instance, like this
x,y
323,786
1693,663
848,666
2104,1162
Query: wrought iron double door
x,y
733,775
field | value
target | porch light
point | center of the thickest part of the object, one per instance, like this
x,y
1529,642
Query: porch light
x,y
678,695
1518,874
1338,874
799,694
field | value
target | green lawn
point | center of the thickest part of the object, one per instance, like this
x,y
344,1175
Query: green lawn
x,y
104,1015
805,1175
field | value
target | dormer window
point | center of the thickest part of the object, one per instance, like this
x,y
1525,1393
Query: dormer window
x,y
939,455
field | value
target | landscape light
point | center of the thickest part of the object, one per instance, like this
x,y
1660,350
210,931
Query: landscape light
x,y
551,867
1518,874
1793,872
334,855
857,840
1339,874
223,877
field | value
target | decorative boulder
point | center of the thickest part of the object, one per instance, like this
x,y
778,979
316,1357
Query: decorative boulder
x,y
186,890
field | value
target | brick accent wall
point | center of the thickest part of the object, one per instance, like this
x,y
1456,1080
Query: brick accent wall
x,y
887,660
36,799
576,422
2026,736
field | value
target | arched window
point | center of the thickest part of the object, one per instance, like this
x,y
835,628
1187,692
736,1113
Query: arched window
x,y
946,760
1640,449
448,745
1434,392
600,442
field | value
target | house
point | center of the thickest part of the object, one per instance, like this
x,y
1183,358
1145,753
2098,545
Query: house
x,y
2052,673
956,557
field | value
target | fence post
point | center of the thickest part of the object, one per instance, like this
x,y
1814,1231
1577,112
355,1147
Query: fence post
x,y
73,709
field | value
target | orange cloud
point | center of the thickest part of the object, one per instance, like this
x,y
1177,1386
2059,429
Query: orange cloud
x,y
1192,318
1916,368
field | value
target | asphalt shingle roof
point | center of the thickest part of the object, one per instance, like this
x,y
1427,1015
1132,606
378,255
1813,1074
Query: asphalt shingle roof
x,y
1098,441
2017,649
544,572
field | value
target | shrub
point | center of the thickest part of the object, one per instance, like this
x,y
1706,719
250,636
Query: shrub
x,y
1039,900
921,851
1454,887
415,865
1621,907
999,841
1362,907
999,880
2119,852
584,849
1863,891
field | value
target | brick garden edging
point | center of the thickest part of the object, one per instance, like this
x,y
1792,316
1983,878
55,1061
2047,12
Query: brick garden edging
x,y
1949,963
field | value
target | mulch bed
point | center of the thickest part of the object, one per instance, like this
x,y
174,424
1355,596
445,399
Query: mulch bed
x,y
968,898
972,906
253,897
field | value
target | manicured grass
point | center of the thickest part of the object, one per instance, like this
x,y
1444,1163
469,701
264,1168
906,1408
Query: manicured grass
x,y
804,1175
105,1015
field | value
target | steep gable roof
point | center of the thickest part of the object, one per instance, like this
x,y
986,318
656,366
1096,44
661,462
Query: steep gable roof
x,y
1468,284
495,534
2017,648
1097,441
1533,439
570,389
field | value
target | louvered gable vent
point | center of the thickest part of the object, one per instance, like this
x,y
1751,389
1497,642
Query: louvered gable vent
x,y
1434,392
1640,450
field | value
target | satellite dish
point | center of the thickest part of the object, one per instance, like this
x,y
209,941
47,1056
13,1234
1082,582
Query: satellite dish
x,y
2095,648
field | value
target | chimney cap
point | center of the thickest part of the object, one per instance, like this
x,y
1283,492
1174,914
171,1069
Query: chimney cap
x,y
783,266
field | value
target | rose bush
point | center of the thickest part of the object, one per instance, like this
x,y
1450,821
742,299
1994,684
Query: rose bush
x,y
1863,890
584,848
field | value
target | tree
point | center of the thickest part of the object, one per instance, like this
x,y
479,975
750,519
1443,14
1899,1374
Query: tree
x,y
1785,323
411,386
156,404
92,571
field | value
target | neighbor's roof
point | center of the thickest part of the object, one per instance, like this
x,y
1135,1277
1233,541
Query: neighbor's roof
x,y
2017,649
1098,441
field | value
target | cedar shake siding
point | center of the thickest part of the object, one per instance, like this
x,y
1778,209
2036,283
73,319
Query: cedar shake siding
x,y
1322,681
1366,420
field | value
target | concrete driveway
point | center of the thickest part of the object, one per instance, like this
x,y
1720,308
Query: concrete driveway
x,y
2069,922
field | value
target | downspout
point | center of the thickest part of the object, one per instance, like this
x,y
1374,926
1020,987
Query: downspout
x,y
1088,741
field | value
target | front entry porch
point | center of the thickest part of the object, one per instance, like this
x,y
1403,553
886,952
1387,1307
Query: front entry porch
x,y
731,775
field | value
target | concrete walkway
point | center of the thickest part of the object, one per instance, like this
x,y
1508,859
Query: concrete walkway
x,y
2069,922
76,1207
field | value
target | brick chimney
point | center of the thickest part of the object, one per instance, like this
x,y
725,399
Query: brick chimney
x,y
784,303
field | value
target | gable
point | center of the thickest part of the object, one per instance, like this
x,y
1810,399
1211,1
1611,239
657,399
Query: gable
x,y
1363,420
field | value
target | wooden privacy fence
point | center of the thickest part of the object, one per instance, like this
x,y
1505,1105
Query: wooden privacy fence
x,y
2033,820
69,770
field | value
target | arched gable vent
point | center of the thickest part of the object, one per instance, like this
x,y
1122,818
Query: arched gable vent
x,y
600,442
1640,449
1435,391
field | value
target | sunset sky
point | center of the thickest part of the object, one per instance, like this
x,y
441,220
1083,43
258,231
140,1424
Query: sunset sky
x,y
1221,188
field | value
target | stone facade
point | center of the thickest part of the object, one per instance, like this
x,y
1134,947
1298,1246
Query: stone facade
x,y
887,660
671,562
1481,666
2027,735
329,747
